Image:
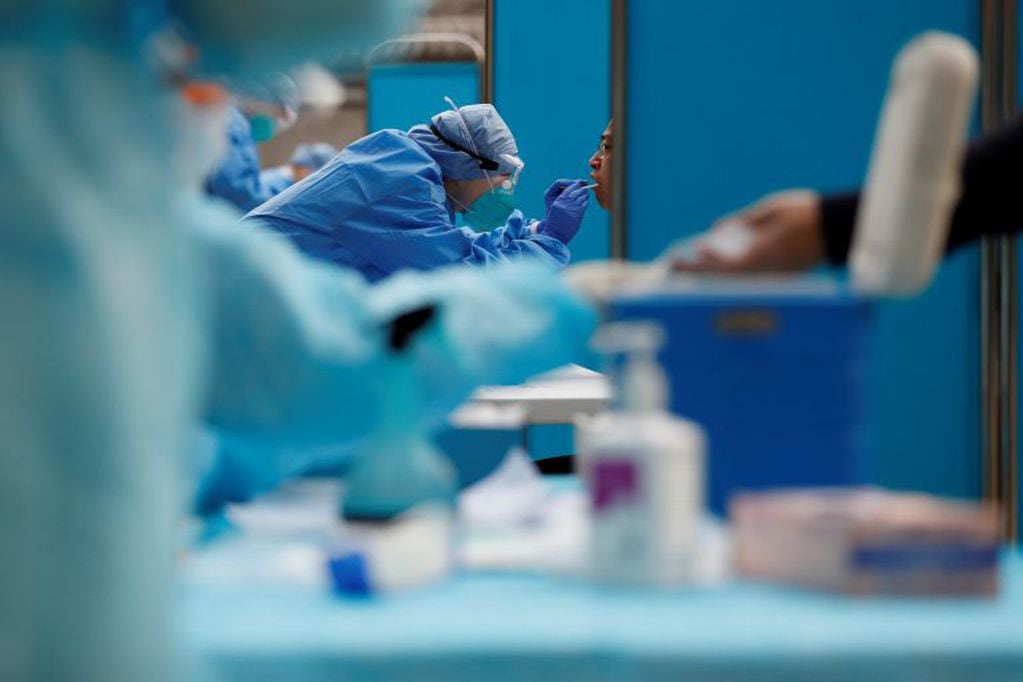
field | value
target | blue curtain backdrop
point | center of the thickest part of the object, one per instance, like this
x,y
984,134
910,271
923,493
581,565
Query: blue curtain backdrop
x,y
729,101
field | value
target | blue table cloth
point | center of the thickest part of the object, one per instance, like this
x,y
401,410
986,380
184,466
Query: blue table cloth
x,y
495,627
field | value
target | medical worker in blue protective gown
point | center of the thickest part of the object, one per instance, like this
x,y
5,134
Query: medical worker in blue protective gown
x,y
239,177
135,308
388,201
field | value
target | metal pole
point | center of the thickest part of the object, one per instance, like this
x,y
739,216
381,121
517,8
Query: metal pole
x,y
487,77
1009,330
1010,289
619,105
999,41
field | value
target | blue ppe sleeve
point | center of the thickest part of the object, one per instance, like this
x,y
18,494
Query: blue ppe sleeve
x,y
239,179
288,340
380,207
518,237
296,346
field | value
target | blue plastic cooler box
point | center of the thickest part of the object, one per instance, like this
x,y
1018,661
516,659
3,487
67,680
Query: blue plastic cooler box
x,y
777,376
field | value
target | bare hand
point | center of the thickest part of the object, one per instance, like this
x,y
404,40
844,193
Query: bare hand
x,y
786,237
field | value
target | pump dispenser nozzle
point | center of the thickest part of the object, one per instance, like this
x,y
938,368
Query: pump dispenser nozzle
x,y
642,384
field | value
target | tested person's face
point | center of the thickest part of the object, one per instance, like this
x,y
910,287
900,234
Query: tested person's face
x,y
600,163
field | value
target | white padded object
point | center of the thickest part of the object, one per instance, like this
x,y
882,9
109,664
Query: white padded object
x,y
914,178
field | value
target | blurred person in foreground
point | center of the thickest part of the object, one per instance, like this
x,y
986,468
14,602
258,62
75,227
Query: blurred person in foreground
x,y
138,309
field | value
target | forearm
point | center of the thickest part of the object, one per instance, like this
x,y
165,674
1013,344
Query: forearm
x,y
991,177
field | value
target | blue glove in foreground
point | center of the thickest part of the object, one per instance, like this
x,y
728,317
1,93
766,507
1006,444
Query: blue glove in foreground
x,y
565,212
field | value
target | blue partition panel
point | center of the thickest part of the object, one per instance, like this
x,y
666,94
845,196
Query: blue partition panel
x,y
404,95
1019,275
1019,390
552,85
729,101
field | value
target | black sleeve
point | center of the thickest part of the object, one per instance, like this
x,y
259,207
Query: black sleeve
x,y
838,218
992,177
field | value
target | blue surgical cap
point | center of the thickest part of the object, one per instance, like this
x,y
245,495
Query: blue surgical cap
x,y
477,127
313,156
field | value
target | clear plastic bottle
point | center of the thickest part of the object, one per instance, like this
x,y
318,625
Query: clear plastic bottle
x,y
644,469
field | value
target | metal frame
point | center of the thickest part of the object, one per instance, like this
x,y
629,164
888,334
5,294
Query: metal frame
x,y
468,42
390,50
488,56
999,288
619,111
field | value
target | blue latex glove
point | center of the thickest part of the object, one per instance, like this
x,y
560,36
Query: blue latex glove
x,y
555,190
566,211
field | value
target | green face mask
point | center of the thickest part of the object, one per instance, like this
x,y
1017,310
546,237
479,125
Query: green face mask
x,y
491,210
262,127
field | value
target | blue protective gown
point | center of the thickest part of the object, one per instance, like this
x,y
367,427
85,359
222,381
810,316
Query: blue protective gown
x,y
239,179
380,207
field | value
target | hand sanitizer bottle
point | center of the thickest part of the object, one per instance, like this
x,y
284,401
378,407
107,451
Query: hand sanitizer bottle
x,y
644,469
